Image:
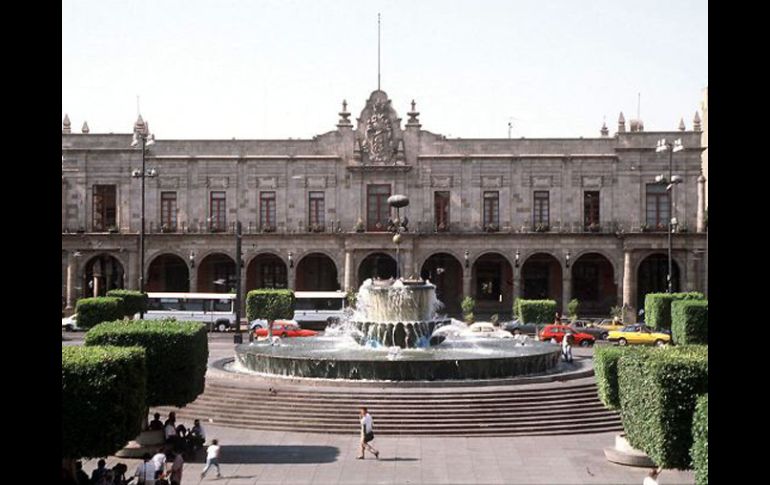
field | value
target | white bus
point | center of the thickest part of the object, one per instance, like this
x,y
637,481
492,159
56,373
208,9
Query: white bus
x,y
216,310
316,309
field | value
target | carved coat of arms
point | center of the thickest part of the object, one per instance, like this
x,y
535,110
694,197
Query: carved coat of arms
x,y
378,142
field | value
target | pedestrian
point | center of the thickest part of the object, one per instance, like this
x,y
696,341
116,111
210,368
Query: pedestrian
x,y
177,464
566,346
212,458
100,469
652,477
159,461
367,435
119,471
156,424
197,436
145,472
169,431
557,319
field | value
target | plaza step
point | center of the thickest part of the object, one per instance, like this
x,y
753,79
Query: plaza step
x,y
553,409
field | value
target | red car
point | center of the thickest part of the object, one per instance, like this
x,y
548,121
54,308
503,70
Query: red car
x,y
285,329
557,332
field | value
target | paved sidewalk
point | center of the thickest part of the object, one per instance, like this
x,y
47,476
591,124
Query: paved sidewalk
x,y
272,457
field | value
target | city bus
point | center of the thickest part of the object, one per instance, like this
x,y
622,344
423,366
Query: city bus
x,y
216,310
316,309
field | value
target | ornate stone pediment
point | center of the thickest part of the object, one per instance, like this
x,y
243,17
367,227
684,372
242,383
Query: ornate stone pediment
x,y
379,131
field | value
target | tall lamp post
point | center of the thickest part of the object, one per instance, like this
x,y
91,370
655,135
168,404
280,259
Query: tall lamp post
x,y
143,136
670,182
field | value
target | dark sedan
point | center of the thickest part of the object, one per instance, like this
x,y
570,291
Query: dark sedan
x,y
517,328
598,333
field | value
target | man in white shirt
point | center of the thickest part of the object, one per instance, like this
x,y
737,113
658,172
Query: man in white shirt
x,y
159,461
212,458
146,471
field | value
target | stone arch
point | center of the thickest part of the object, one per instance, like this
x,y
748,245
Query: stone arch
x,y
216,273
444,270
594,284
616,265
492,285
101,273
376,264
266,270
651,276
541,278
316,271
168,272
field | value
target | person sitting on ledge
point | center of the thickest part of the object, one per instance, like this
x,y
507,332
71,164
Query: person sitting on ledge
x,y
156,424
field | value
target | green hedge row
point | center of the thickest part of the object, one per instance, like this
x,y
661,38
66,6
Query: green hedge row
x,y
700,437
606,359
177,355
535,311
690,321
658,391
103,399
270,304
657,307
93,311
133,301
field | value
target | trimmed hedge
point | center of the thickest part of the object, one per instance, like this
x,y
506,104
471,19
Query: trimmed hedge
x,y
606,371
657,307
536,311
133,301
690,321
270,304
177,355
658,391
700,441
93,311
103,399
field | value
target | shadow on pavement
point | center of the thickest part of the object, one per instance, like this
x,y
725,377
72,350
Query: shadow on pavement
x,y
399,459
274,454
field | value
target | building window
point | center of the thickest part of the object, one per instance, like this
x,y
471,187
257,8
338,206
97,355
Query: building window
x,y
377,209
218,212
492,211
657,207
591,210
273,275
267,210
105,213
541,210
441,205
168,211
316,217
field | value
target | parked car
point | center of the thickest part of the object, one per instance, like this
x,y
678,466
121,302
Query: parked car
x,y
70,323
610,325
518,328
558,331
639,334
485,329
597,332
285,328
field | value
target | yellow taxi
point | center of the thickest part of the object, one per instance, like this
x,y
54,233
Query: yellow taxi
x,y
640,335
610,325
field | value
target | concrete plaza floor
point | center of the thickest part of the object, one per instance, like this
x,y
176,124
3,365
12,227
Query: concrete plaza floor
x,y
273,457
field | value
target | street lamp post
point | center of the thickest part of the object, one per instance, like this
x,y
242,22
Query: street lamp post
x,y
670,182
141,133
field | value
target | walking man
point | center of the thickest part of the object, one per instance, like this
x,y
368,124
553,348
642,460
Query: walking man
x,y
367,435
566,346
212,458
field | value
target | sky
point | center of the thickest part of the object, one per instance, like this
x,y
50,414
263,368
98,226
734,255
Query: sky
x,y
277,69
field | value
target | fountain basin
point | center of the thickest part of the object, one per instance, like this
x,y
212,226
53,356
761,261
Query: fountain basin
x,y
325,358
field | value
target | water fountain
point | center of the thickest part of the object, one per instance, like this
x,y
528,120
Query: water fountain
x,y
395,334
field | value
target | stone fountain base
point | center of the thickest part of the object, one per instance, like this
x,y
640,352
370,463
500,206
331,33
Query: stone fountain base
x,y
319,358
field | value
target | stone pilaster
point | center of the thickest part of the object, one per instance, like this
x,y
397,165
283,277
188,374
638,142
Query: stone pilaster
x,y
348,284
71,270
629,288
701,215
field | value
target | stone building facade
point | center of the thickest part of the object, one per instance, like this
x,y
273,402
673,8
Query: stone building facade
x,y
496,219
